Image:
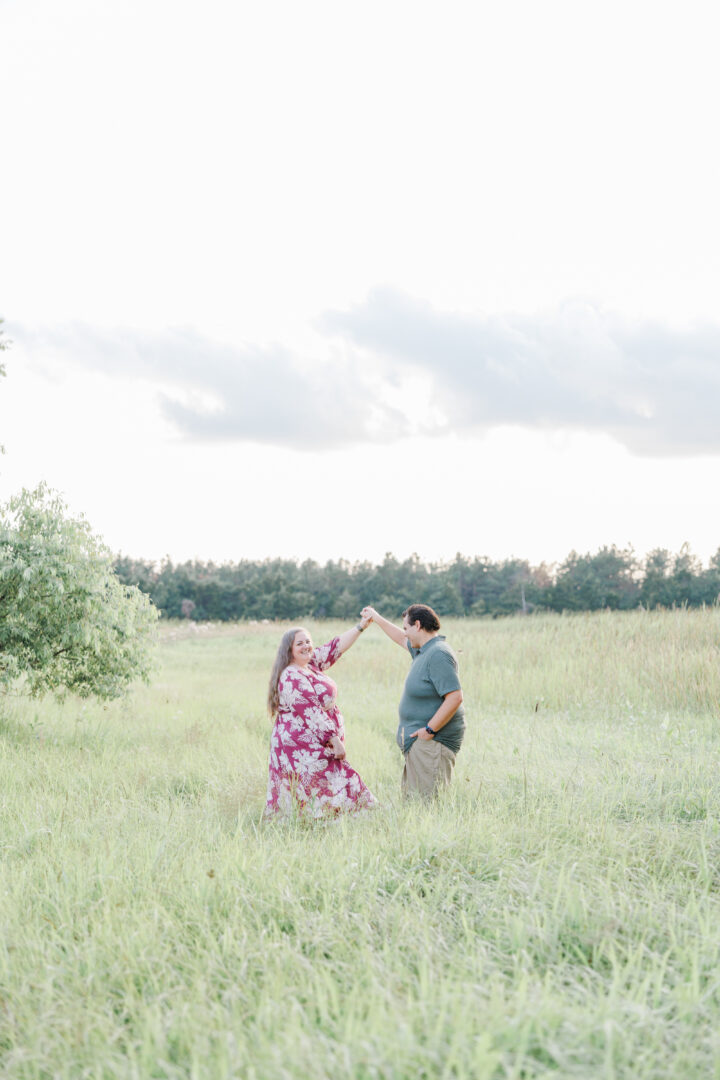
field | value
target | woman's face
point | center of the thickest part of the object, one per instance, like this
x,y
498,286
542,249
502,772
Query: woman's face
x,y
302,648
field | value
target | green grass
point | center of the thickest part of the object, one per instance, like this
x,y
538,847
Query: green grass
x,y
556,915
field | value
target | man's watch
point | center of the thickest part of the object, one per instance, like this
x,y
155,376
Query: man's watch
x,y
430,730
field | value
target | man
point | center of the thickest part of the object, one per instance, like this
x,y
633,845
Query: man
x,y
432,719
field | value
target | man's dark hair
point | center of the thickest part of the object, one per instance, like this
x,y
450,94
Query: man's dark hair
x,y
424,615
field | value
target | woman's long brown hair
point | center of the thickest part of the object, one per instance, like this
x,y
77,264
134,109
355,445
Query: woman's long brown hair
x,y
282,659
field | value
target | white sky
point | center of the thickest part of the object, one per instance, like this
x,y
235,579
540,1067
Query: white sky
x,y
495,223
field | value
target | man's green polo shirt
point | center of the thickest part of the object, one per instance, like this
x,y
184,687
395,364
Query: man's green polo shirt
x,y
432,675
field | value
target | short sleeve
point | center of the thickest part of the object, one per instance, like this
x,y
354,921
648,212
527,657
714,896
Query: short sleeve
x,y
442,671
325,655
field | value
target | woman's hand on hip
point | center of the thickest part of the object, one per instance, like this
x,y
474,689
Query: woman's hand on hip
x,y
337,747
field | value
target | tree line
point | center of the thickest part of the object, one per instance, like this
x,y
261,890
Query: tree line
x,y
287,589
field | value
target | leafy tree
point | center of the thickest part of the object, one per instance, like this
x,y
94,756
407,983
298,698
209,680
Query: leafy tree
x,y
441,593
656,589
607,579
136,572
686,577
490,588
515,588
66,620
711,581
345,606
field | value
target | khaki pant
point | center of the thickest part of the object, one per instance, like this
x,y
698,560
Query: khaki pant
x,y
428,766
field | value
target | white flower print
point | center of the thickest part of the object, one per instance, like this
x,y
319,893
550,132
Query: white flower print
x,y
337,781
326,655
290,695
318,721
308,762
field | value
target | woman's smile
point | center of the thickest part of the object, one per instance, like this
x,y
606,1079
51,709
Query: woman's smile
x,y
302,649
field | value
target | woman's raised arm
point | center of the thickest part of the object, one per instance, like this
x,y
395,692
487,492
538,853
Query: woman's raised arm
x,y
349,637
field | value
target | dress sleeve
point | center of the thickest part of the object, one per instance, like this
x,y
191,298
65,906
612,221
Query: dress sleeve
x,y
296,696
325,655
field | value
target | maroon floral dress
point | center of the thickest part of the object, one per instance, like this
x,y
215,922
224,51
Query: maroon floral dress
x,y
303,772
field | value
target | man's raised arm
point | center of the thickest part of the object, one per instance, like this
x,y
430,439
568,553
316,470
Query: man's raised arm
x,y
395,633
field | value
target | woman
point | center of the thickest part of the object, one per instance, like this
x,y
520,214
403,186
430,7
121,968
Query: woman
x,y
308,767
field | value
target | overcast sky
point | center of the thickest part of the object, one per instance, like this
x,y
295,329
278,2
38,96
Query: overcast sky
x,y
334,279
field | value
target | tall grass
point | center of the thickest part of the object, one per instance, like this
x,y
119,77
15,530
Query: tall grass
x,y
556,915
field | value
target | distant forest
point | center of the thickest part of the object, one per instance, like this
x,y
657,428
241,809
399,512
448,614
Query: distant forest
x,y
477,586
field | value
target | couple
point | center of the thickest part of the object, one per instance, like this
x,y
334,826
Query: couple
x,y
308,767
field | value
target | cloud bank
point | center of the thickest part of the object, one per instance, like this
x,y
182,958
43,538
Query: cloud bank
x,y
653,388
213,392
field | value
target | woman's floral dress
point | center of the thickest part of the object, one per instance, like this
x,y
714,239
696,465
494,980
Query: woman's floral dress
x,y
303,773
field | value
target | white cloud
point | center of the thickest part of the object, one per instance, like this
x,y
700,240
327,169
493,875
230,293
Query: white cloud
x,y
654,388
401,367
212,392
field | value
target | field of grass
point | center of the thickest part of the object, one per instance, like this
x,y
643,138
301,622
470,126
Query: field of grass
x,y
557,914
